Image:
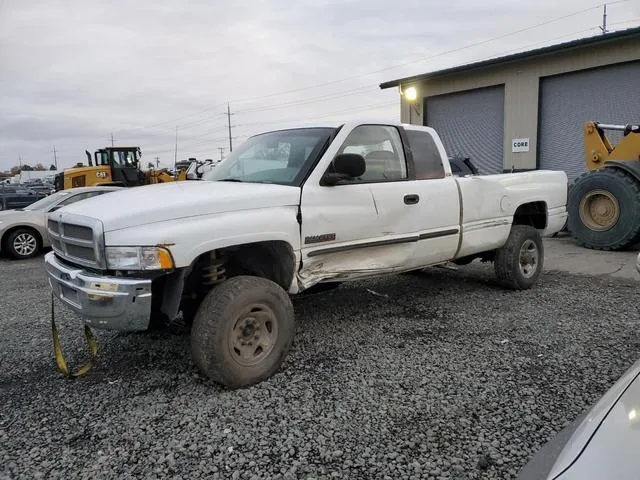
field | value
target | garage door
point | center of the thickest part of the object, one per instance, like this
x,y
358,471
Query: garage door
x,y
471,124
606,95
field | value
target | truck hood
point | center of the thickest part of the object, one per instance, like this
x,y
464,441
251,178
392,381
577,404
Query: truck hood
x,y
167,201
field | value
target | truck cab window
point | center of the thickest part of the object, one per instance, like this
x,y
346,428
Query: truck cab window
x,y
426,158
382,150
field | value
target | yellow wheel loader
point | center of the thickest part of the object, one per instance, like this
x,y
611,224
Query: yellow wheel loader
x,y
114,166
604,203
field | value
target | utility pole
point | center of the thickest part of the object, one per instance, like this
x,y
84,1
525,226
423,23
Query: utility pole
x,y
175,155
221,152
604,20
157,159
112,139
228,114
55,157
20,161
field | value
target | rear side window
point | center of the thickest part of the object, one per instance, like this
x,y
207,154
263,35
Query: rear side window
x,y
426,157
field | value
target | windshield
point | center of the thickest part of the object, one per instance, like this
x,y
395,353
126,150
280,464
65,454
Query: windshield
x,y
47,201
283,157
125,159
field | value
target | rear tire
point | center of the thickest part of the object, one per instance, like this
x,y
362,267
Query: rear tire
x,y
604,210
242,331
519,262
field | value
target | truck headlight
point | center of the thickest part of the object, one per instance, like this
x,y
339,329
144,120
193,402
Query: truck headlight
x,y
138,258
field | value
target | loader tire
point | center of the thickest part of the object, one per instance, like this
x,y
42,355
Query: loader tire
x,y
519,262
242,331
604,210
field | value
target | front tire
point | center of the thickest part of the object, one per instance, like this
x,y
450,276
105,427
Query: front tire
x,y
242,331
23,243
519,262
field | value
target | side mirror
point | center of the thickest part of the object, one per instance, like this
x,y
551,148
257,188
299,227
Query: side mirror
x,y
345,166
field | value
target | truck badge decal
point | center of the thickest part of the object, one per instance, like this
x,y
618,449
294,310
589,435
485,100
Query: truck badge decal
x,y
325,237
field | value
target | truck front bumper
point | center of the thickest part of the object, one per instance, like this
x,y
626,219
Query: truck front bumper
x,y
109,303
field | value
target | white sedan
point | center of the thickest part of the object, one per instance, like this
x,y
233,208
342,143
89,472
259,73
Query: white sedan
x,y
23,232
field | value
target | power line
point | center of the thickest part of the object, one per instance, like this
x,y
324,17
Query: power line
x,y
362,108
321,98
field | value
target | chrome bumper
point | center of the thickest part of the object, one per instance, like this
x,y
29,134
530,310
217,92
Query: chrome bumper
x,y
109,303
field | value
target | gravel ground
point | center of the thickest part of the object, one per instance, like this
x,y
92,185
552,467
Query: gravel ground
x,y
442,375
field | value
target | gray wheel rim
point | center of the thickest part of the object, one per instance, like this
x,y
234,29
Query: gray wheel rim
x,y
528,260
253,335
25,244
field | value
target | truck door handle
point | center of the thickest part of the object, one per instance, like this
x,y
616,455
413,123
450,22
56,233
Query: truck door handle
x,y
411,199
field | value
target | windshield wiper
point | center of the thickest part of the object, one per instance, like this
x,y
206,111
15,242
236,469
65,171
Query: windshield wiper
x,y
229,180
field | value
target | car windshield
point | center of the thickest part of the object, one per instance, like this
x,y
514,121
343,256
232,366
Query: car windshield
x,y
283,157
47,201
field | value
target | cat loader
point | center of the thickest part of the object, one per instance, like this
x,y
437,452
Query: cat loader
x,y
604,203
114,166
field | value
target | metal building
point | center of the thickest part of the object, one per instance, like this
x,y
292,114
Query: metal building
x,y
526,111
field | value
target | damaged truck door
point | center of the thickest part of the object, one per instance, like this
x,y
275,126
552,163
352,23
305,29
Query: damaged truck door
x,y
391,209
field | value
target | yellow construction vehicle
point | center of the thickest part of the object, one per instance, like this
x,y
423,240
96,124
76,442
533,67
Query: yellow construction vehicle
x,y
604,203
114,166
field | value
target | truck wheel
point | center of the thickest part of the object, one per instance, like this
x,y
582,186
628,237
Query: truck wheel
x,y
242,331
519,262
23,243
604,210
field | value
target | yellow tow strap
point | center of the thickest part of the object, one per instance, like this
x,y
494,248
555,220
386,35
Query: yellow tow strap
x,y
57,349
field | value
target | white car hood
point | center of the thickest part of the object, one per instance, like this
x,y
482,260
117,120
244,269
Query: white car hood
x,y
167,201
607,443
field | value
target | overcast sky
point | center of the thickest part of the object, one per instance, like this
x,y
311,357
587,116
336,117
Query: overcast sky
x,y
74,72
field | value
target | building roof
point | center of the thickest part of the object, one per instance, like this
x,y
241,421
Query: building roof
x,y
581,42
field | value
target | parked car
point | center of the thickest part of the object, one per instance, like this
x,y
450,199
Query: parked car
x,y
23,232
17,196
41,187
602,443
285,211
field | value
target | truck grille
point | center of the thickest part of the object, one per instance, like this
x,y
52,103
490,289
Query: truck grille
x,y
76,239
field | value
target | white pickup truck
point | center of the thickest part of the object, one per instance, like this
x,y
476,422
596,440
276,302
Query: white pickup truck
x,y
286,211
